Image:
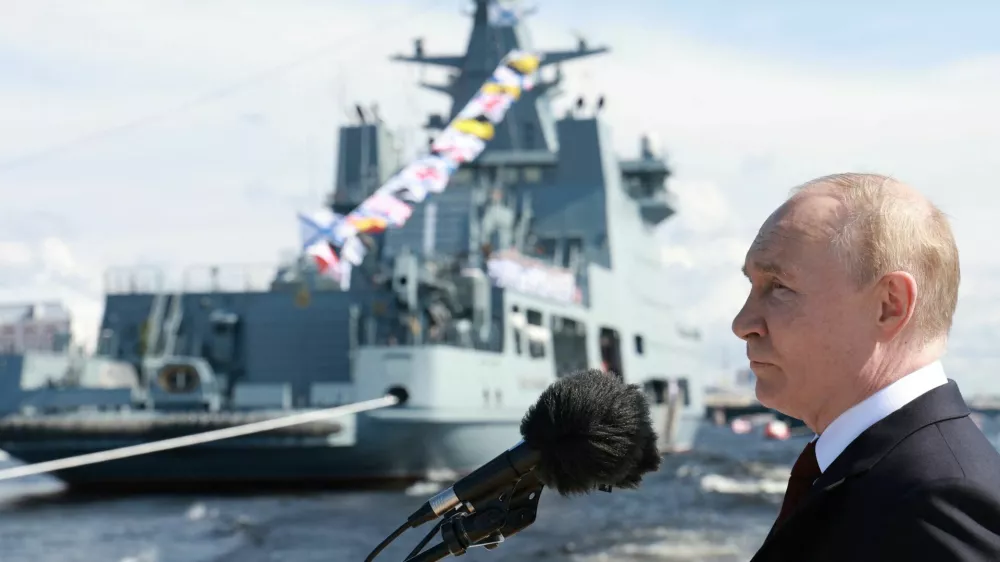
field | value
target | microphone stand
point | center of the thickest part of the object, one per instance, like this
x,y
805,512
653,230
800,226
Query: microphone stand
x,y
489,521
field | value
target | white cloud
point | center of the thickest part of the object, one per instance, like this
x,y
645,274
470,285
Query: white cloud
x,y
703,248
48,256
220,181
14,254
678,256
56,256
705,208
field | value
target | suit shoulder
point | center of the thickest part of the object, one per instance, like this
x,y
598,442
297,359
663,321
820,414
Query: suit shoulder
x,y
946,519
929,496
952,449
969,447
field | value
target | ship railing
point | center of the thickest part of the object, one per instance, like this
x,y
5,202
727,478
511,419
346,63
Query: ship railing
x,y
137,279
211,278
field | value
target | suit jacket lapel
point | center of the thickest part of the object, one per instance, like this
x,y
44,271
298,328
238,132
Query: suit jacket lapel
x,y
940,404
805,511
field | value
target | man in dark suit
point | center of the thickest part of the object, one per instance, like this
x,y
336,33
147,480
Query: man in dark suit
x,y
854,282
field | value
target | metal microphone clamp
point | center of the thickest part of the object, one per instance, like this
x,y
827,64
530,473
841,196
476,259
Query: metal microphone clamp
x,y
488,522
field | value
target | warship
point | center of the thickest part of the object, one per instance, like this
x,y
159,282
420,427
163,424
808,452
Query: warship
x,y
537,261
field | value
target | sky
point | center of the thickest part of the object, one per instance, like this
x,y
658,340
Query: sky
x,y
178,134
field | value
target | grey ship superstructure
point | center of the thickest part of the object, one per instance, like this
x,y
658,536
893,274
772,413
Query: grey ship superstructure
x,y
470,346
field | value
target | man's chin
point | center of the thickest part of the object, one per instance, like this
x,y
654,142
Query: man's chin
x,y
767,393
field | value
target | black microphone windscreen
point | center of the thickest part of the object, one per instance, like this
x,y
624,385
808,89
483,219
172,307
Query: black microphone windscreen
x,y
591,429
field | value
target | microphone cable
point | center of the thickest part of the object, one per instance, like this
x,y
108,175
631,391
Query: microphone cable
x,y
427,538
395,535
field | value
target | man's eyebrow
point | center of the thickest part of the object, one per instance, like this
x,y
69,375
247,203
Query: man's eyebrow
x,y
769,268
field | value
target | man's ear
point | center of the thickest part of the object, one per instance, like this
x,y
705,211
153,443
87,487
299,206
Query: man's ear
x,y
896,294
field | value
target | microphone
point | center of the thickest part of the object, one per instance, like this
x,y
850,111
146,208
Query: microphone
x,y
586,431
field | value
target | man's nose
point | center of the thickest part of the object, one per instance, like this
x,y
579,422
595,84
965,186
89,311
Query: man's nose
x,y
748,322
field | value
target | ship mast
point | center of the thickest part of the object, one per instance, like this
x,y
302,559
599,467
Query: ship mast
x,y
498,28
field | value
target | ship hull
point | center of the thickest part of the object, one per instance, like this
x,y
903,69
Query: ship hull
x,y
391,448
384,450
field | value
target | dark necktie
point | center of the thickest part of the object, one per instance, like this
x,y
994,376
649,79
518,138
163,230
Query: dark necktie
x,y
804,473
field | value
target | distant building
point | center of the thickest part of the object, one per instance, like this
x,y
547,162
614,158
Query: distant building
x,y
34,327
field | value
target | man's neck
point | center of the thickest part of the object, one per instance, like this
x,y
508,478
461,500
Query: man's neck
x,y
848,426
878,373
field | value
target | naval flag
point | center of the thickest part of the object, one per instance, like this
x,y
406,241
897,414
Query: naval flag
x,y
323,231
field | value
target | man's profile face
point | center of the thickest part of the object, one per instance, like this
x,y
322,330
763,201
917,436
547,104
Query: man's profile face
x,y
807,326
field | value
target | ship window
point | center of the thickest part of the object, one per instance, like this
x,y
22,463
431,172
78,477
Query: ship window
x,y
534,317
532,174
638,344
670,391
536,334
684,390
545,248
569,345
574,249
611,356
656,390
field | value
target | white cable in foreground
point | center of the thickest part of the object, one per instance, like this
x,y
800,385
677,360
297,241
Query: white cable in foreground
x,y
186,440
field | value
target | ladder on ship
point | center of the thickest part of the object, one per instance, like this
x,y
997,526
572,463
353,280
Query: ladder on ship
x,y
163,324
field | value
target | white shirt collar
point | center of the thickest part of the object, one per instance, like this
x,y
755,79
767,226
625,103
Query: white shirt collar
x,y
852,423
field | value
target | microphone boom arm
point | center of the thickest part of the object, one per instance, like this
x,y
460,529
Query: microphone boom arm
x,y
504,513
